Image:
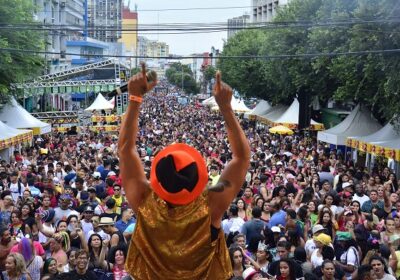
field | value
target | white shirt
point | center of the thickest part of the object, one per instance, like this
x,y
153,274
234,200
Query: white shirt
x,y
361,199
333,208
103,235
14,191
315,259
86,227
64,214
232,225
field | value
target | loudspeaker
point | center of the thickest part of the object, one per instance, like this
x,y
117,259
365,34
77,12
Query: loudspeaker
x,y
304,98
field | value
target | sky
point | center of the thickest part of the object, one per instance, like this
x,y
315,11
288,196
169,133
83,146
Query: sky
x,y
185,44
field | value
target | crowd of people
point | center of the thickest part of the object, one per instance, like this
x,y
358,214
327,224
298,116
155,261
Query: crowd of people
x,y
304,211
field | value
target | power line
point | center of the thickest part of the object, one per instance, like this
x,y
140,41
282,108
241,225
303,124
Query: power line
x,y
278,56
165,26
165,30
166,10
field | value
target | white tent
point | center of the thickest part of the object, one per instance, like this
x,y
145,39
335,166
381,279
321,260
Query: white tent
x,y
7,132
16,116
9,137
386,133
273,113
261,108
360,122
291,115
209,102
237,105
100,103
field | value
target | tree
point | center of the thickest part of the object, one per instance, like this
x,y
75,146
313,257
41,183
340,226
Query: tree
x,y
182,76
369,79
17,67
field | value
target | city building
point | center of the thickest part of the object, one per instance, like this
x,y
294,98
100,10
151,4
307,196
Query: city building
x,y
152,48
70,14
236,24
105,20
194,64
157,49
129,38
142,46
265,10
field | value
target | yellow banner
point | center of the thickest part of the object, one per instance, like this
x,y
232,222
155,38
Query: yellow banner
x,y
16,140
107,119
106,128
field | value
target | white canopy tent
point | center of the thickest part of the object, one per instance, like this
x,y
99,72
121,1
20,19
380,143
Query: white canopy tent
x,y
273,113
209,102
360,122
16,116
386,133
9,137
238,106
100,103
261,108
291,115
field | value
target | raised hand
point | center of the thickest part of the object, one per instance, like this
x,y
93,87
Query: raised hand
x,y
222,93
138,84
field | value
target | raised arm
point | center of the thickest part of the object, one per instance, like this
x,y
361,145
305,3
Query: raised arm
x,y
233,175
132,173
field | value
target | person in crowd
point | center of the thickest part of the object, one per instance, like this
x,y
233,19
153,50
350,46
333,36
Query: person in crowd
x,y
50,269
253,227
6,244
320,240
15,268
283,250
34,263
379,269
125,220
237,260
117,257
242,213
81,269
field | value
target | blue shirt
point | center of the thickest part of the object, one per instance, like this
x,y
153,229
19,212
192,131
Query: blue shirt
x,y
278,218
121,225
252,229
368,205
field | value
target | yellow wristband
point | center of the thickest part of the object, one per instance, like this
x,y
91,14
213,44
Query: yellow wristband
x,y
135,98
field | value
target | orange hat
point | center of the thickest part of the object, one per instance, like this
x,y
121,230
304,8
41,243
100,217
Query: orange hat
x,y
178,174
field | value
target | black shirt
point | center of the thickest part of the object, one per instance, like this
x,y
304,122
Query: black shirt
x,y
73,275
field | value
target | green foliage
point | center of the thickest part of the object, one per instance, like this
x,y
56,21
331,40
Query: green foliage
x,y
181,75
372,79
17,67
209,73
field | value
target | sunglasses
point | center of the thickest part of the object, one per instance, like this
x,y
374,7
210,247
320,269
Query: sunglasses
x,y
117,189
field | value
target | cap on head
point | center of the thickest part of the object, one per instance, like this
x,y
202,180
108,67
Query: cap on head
x,y
178,174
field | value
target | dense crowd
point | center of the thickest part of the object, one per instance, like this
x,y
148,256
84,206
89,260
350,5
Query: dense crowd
x,y
304,211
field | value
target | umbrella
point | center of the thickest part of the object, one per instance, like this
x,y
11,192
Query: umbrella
x,y
280,129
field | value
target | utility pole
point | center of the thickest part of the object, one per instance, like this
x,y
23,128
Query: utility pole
x,y
182,77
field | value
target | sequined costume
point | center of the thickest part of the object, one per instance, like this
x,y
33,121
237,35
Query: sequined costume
x,y
176,243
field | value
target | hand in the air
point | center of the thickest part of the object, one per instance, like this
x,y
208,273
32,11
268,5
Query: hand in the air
x,y
222,93
138,84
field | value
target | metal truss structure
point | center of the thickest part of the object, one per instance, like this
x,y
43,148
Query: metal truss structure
x,y
75,70
65,83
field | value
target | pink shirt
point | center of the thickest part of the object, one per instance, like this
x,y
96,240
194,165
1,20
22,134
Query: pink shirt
x,y
39,251
119,273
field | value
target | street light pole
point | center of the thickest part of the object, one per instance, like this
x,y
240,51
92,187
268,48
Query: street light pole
x,y
182,79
